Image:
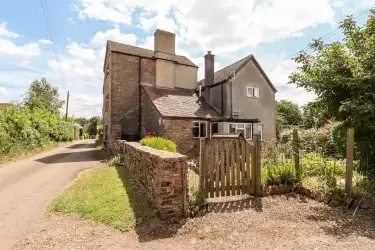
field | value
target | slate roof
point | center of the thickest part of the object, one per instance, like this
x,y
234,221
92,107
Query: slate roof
x,y
224,75
137,51
182,103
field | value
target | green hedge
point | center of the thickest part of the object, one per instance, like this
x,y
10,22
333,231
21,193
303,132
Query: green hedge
x,y
159,143
23,129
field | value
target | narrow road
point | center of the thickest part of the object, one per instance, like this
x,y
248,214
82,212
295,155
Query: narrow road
x,y
27,185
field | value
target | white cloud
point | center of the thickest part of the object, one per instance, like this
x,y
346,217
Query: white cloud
x,y
71,20
45,41
4,32
100,38
3,91
26,51
81,52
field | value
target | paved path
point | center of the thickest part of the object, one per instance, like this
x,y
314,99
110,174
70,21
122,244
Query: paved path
x,y
27,185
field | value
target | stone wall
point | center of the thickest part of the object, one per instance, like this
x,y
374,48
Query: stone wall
x,y
162,175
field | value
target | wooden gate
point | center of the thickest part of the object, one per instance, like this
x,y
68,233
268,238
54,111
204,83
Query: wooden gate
x,y
229,166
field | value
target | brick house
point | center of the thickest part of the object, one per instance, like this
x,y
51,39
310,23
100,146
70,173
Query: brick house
x,y
157,91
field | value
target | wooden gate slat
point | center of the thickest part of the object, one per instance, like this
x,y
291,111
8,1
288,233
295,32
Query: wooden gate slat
x,y
228,169
238,167
222,160
242,164
233,169
212,169
217,170
207,170
248,167
253,166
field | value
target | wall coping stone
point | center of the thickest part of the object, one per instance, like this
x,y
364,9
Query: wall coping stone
x,y
160,153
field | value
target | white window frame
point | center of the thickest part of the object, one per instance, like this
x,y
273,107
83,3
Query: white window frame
x,y
205,122
261,131
246,135
253,88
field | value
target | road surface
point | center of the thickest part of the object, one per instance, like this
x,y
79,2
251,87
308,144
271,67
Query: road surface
x,y
27,185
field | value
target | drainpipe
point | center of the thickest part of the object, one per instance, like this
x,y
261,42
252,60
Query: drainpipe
x,y
140,97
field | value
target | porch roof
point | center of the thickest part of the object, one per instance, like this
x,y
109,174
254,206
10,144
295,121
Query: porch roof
x,y
237,120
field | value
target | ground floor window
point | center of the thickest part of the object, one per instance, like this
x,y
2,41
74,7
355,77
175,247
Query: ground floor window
x,y
260,131
246,129
199,129
214,128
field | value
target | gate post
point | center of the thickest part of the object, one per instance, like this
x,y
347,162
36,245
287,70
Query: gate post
x,y
297,166
202,152
349,161
257,171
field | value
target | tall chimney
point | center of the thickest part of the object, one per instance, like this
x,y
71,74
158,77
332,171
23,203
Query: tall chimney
x,y
209,70
164,42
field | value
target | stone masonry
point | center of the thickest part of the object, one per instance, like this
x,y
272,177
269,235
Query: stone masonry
x,y
162,175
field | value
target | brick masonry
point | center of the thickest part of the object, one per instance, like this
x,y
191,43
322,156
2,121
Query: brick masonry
x,y
162,175
150,117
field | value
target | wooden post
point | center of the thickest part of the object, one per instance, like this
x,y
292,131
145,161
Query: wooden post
x,y
257,171
202,152
349,161
297,166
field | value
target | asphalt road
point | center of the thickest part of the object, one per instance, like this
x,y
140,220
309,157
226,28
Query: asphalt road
x,y
27,185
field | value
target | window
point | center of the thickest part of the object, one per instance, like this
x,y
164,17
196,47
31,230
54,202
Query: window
x,y
214,128
199,129
253,92
260,131
106,106
242,128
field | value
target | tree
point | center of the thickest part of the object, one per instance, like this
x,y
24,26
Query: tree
x,y
289,111
342,75
312,115
43,95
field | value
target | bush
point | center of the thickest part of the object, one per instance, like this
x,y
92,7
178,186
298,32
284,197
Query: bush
x,y
159,143
279,174
23,129
312,140
314,164
339,138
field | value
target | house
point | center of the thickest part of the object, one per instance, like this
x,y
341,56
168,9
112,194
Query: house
x,y
157,91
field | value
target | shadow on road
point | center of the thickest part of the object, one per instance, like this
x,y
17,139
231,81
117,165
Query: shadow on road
x,y
83,156
235,206
82,145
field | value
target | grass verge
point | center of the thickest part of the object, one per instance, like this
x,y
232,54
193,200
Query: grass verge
x,y
103,195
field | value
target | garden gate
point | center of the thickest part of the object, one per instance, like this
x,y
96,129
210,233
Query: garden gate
x,y
229,166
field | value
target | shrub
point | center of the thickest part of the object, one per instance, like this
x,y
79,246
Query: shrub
x,y
314,164
159,143
339,138
282,173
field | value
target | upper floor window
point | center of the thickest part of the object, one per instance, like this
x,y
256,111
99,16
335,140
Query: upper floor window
x,y
253,92
199,129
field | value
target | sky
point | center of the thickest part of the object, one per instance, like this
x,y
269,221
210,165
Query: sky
x,y
64,40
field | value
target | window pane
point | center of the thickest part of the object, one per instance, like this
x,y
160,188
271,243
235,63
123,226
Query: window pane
x,y
195,124
256,92
203,129
241,131
240,126
250,91
249,131
196,131
214,128
232,128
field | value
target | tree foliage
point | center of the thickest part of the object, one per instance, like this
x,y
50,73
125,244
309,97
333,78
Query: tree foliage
x,y
42,95
342,75
289,111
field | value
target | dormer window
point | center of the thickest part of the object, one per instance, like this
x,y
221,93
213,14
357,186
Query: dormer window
x,y
252,92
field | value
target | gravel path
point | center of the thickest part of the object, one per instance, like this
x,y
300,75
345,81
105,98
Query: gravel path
x,y
280,222
27,185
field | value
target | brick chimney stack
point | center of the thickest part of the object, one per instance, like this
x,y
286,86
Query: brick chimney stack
x,y
209,69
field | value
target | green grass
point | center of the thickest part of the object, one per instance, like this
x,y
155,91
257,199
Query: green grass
x,y
102,195
159,143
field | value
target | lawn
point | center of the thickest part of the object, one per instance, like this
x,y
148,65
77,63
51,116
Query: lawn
x,y
103,195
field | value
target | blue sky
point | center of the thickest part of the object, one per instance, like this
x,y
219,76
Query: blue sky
x,y
272,30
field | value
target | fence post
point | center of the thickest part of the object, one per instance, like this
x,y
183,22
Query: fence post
x,y
257,170
202,150
297,166
349,161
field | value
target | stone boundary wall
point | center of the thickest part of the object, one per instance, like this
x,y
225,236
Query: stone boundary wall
x,y
162,175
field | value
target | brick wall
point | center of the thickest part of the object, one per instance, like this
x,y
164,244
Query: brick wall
x,y
107,94
150,116
148,67
180,131
162,175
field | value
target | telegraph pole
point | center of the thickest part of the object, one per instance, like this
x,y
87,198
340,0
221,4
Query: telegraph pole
x,y
67,106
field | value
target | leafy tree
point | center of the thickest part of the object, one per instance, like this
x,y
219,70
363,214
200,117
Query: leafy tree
x,y
289,111
43,95
313,116
342,74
